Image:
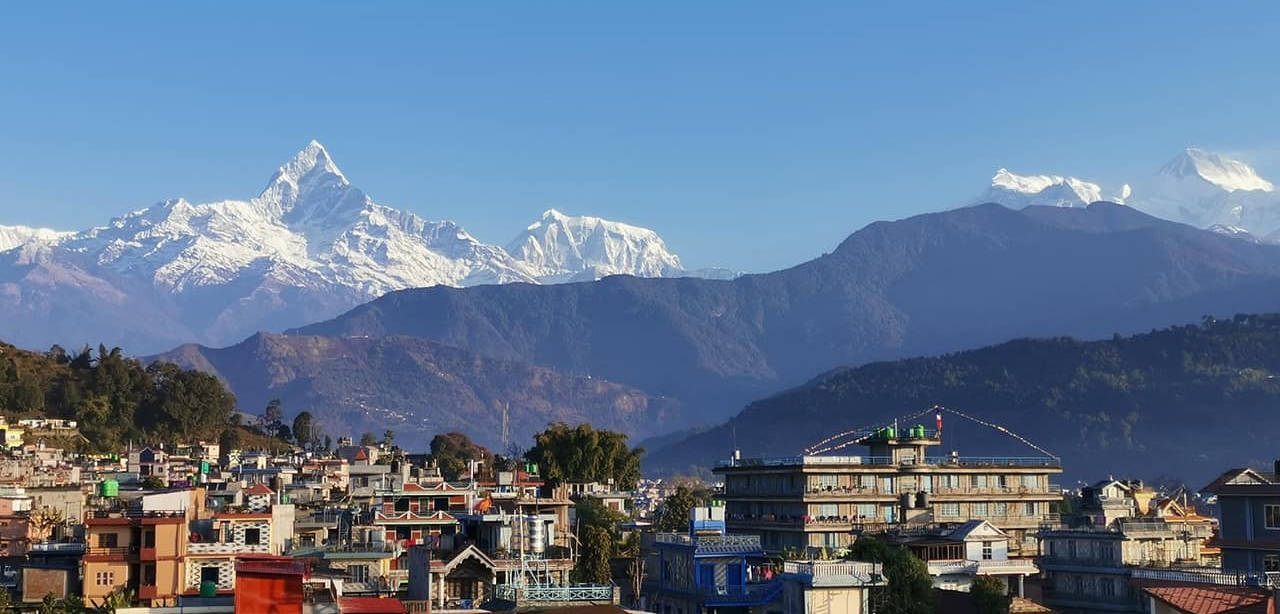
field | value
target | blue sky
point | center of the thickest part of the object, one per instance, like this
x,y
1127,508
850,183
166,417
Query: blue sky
x,y
752,135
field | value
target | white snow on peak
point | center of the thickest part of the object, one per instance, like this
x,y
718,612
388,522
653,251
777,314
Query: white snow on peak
x,y
560,247
308,247
14,236
1017,191
1226,173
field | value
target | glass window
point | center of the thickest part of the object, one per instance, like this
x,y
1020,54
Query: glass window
x,y
979,510
867,481
867,511
1272,513
1106,587
886,485
1028,509
252,537
1271,562
950,510
1031,482
1001,509
986,550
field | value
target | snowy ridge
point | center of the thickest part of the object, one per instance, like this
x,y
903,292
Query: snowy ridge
x,y
559,247
13,236
308,247
1197,187
1020,191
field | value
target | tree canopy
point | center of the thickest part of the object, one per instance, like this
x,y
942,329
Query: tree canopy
x,y
452,451
910,589
114,398
584,454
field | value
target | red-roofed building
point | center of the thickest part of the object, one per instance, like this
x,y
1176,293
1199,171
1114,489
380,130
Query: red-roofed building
x,y
1208,599
370,605
270,585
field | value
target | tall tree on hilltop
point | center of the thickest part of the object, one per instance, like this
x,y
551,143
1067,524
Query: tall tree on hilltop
x,y
584,454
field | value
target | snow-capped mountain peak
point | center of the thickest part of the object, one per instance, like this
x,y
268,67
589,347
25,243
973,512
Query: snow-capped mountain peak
x,y
1221,171
560,247
1017,191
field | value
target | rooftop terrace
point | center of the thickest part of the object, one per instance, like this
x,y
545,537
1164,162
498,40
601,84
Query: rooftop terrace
x,y
941,461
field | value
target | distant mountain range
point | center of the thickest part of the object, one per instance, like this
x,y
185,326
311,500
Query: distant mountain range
x,y
310,246
925,285
1200,188
1177,403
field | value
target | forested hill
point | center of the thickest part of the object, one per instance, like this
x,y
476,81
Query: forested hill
x,y
114,398
1184,402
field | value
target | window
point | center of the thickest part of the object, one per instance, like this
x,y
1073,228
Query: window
x,y
1031,482
950,510
105,578
252,537
402,504
1272,514
358,573
979,510
867,510
209,573
1106,587
986,550
887,486
1001,509
1002,481
867,482
108,540
1028,509
1271,562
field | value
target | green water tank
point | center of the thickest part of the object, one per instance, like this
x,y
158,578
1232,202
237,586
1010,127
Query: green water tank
x,y
204,466
208,588
109,488
890,432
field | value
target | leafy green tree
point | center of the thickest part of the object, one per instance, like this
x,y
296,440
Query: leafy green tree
x,y
673,516
388,438
6,601
303,428
368,439
152,482
584,454
990,596
910,589
453,451
273,414
594,556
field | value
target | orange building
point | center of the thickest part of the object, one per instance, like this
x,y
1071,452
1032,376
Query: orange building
x,y
141,549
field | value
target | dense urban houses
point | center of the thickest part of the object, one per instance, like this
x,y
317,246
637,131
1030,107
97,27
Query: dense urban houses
x,y
1122,537
824,501
1249,513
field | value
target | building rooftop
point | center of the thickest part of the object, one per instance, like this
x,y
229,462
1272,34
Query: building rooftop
x,y
1213,599
944,461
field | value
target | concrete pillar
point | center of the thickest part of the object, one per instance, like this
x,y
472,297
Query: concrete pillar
x,y
440,599
1021,578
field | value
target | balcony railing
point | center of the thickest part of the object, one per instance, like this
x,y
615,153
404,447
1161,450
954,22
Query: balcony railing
x,y
944,461
708,540
110,550
555,594
825,570
750,594
226,548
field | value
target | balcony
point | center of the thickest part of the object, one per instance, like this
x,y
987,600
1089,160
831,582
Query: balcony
x,y
941,461
204,548
1008,567
746,595
581,593
850,573
684,539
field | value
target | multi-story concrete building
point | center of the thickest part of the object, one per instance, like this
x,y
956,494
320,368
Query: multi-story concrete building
x,y
821,501
1249,517
140,547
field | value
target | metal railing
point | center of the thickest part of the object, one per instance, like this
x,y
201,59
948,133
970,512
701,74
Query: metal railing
x,y
746,594
954,461
554,594
708,540
1208,576
818,569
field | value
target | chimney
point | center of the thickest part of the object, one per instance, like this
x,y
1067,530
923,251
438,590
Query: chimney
x,y
1276,466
